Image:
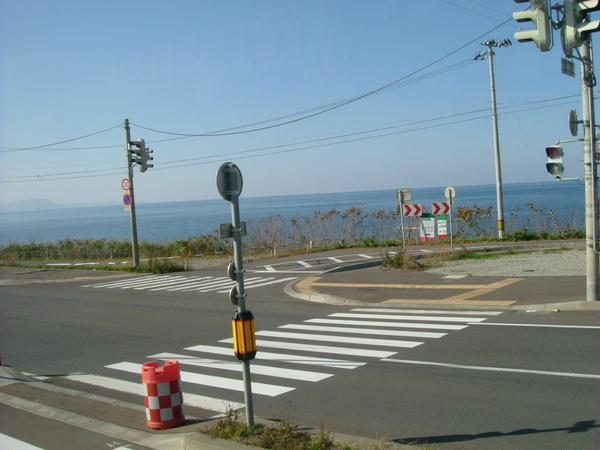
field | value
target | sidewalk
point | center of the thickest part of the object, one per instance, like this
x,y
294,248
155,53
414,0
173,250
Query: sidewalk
x,y
370,286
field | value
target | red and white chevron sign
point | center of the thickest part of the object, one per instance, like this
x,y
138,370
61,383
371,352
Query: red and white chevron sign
x,y
440,208
412,209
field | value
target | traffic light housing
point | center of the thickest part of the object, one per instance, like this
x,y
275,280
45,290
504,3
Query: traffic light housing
x,y
578,25
140,154
555,166
541,18
145,158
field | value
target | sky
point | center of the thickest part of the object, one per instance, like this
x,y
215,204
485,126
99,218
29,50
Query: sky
x,y
305,96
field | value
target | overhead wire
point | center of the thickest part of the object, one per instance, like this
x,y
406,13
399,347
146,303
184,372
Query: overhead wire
x,y
306,145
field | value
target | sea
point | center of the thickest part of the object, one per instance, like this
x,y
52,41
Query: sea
x,y
169,221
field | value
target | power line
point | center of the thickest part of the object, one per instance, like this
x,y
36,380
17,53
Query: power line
x,y
306,145
60,142
326,108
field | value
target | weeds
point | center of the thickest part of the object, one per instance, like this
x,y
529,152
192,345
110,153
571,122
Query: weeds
x,y
332,229
284,435
400,260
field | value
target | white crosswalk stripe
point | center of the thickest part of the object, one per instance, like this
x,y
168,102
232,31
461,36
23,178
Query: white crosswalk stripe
x,y
171,283
352,338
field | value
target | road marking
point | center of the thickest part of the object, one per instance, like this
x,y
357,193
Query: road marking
x,y
464,298
260,283
198,401
15,444
340,339
337,260
429,326
405,317
370,331
186,284
270,390
583,327
304,264
358,352
494,369
292,374
429,311
268,356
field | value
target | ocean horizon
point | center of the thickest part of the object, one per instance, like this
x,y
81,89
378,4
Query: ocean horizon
x,y
45,221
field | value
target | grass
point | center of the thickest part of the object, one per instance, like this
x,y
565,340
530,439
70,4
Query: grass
x,y
284,435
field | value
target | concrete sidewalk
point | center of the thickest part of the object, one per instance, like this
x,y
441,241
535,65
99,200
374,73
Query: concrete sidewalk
x,y
360,285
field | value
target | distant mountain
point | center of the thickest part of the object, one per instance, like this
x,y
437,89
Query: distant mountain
x,y
31,204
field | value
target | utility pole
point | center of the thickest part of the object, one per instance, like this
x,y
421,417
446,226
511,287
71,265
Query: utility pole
x,y
590,172
134,237
489,53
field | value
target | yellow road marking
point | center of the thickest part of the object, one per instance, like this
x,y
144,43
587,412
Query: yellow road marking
x,y
464,298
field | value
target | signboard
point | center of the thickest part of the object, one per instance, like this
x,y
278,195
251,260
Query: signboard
x,y
440,208
127,200
404,196
450,194
427,228
229,181
442,227
126,184
412,210
226,230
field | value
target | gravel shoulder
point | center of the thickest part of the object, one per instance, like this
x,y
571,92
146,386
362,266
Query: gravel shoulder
x,y
565,263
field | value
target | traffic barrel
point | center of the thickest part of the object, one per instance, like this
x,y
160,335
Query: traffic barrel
x,y
163,397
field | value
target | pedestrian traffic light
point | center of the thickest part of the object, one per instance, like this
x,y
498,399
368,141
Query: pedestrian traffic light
x,y
540,16
555,166
578,25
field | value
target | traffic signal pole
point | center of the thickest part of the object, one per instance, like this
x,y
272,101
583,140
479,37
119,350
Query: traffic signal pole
x,y
499,196
134,237
590,173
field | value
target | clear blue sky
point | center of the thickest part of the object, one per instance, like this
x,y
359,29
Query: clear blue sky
x,y
74,68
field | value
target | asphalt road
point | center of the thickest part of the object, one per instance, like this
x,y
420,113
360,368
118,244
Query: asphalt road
x,y
508,380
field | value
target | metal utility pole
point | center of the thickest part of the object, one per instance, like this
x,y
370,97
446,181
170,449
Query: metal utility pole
x,y
499,196
590,173
134,237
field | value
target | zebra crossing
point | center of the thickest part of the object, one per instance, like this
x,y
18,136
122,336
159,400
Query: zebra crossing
x,y
180,283
293,355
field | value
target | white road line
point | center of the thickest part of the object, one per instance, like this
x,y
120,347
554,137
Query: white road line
x,y
370,331
304,264
335,259
7,442
362,255
292,374
428,326
285,271
285,358
429,311
495,369
169,281
535,325
340,339
191,282
270,390
403,317
258,283
129,281
198,401
359,352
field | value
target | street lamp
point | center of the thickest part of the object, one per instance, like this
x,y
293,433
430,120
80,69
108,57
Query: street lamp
x,y
489,53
